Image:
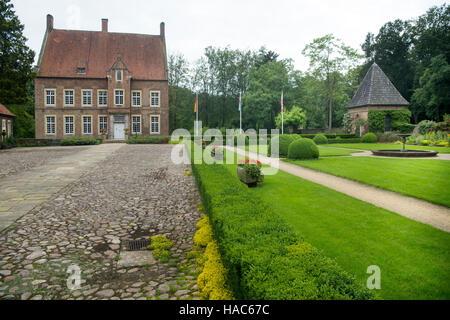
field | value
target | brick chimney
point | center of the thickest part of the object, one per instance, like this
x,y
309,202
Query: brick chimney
x,y
104,25
162,32
49,23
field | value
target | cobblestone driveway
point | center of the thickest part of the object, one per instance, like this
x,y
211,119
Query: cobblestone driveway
x,y
135,193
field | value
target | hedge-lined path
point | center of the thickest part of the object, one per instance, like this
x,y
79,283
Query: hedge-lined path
x,y
114,193
416,209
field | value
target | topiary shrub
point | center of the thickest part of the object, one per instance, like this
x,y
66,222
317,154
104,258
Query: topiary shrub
x,y
303,149
320,139
369,138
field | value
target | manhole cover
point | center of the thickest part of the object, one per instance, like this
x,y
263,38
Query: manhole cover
x,y
136,245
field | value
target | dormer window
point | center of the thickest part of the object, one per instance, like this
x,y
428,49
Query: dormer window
x,y
118,75
81,70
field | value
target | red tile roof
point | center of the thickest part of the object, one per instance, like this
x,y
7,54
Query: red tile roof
x,y
66,50
5,111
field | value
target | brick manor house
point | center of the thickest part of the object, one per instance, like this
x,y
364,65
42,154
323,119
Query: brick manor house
x,y
89,82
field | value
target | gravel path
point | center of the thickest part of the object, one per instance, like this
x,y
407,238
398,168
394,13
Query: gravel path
x,y
133,194
21,159
416,209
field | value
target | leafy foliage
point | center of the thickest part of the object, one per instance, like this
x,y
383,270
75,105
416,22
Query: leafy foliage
x,y
293,118
376,119
16,59
369,138
160,246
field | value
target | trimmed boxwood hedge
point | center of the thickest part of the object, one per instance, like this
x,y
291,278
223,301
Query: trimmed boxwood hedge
x,y
148,140
303,149
79,141
265,258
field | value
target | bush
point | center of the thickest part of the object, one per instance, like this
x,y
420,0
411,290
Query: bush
x,y
369,138
264,257
284,141
148,140
320,139
426,126
303,149
212,280
161,246
403,127
79,141
387,137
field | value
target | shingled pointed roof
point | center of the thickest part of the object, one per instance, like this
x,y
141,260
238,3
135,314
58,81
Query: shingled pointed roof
x,y
5,111
66,50
377,90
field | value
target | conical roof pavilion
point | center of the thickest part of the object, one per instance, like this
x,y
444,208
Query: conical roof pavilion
x,y
377,90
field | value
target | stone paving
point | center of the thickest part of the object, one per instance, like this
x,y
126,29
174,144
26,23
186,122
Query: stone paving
x,y
115,193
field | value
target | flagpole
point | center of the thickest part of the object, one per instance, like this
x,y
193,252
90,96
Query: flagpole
x,y
282,113
240,112
196,114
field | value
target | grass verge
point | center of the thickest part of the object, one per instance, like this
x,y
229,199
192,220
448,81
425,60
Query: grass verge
x,y
420,178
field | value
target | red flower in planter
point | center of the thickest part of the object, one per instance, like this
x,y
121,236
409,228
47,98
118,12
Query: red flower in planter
x,y
249,161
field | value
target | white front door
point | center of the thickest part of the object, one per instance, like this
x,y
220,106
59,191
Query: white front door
x,y
119,132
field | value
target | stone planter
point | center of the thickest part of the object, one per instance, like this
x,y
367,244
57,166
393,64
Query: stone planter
x,y
245,178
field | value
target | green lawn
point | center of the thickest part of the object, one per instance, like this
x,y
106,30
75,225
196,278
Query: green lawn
x,y
414,258
324,151
390,146
420,178
330,151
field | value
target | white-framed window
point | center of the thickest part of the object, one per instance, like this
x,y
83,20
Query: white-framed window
x,y
87,125
119,75
9,128
118,97
50,96
87,97
69,125
154,98
136,98
136,124
3,125
50,125
69,97
102,124
102,98
154,124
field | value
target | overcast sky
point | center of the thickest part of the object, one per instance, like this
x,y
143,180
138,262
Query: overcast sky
x,y
284,26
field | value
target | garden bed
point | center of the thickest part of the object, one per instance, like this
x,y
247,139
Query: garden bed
x,y
265,257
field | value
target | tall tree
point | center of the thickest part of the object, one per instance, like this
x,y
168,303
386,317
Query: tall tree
x,y
329,58
16,59
433,95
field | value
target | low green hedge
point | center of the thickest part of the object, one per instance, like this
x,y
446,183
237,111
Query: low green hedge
x,y
350,140
79,141
303,149
284,141
265,258
148,140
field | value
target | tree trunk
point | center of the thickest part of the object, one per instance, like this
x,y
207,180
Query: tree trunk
x,y
330,119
